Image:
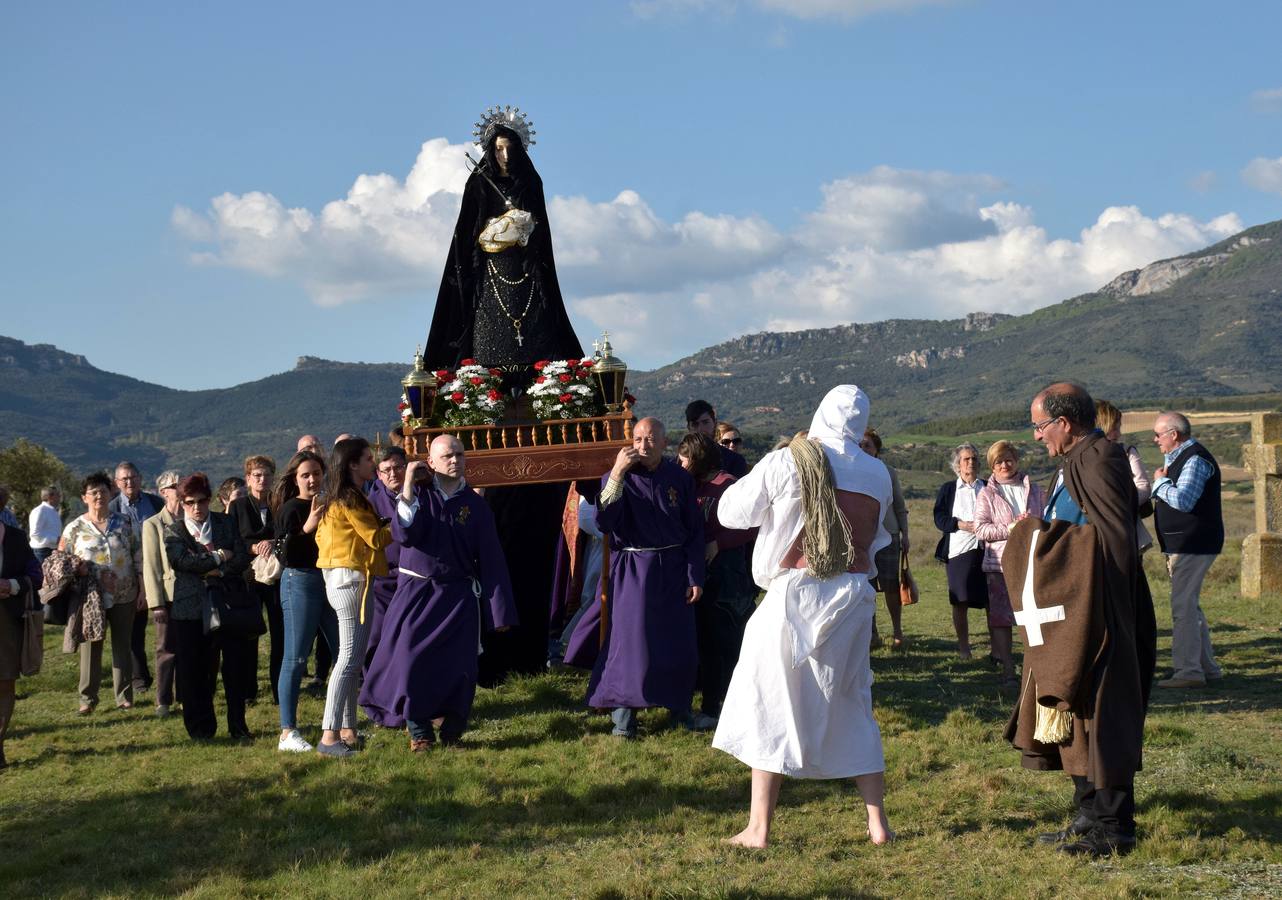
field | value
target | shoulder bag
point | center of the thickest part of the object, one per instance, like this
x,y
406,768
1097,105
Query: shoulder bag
x,y
907,586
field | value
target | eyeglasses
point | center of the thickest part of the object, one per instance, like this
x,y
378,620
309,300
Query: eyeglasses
x,y
1039,427
1004,461
1158,434
730,442
196,501
388,470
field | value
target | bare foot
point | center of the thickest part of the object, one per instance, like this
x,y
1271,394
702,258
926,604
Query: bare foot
x,y
750,838
879,829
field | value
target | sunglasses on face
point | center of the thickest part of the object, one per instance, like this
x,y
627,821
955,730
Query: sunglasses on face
x,y
196,501
730,442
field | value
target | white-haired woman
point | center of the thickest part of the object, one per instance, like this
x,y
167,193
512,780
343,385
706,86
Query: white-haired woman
x,y
959,549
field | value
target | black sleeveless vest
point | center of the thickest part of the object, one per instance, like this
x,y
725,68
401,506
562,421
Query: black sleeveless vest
x,y
1201,529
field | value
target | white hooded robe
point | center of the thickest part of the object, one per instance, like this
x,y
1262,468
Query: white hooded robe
x,y
800,699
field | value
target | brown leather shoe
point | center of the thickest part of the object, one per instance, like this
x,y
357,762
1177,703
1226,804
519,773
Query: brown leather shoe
x,y
420,746
1181,683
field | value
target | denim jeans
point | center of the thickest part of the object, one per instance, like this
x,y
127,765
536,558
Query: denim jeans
x,y
625,720
452,729
303,607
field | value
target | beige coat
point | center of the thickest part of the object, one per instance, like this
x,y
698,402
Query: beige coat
x,y
157,573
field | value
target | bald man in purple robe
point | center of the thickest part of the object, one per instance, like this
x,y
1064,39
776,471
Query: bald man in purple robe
x,y
650,514
453,582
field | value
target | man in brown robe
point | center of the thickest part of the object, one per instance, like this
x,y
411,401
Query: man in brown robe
x,y
1103,752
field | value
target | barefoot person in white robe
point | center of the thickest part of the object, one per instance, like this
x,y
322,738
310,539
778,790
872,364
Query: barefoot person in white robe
x,y
800,700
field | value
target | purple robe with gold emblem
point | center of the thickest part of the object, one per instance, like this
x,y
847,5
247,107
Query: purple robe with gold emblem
x,y
425,665
650,656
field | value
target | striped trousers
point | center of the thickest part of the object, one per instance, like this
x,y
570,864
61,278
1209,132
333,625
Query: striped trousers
x,y
345,589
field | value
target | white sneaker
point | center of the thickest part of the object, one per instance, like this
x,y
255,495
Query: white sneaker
x,y
294,743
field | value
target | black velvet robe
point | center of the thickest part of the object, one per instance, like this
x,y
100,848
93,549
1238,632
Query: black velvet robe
x,y
547,332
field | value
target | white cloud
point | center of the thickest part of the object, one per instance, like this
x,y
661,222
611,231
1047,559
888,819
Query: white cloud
x,y
841,10
390,236
1264,174
898,209
887,243
383,236
1268,100
846,10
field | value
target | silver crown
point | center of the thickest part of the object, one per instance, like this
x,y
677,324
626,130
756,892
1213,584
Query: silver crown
x,y
509,117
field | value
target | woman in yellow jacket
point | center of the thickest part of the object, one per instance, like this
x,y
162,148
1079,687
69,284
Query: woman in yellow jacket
x,y
350,540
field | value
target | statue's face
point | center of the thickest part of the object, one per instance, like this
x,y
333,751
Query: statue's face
x,y
502,149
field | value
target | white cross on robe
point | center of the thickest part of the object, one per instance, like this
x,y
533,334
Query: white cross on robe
x,y
1031,617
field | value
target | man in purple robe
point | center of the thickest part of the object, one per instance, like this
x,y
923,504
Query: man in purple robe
x,y
649,512
382,496
453,583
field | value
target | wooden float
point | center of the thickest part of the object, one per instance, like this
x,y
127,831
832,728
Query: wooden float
x,y
533,452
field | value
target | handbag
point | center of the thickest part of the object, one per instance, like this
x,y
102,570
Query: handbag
x,y
267,569
908,594
31,655
239,612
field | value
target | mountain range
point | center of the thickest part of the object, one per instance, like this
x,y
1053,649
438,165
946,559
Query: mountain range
x,y
1207,324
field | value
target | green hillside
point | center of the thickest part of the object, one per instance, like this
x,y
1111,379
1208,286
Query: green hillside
x,y
1214,332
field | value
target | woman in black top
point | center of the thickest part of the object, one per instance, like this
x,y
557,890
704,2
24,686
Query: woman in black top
x,y
297,512
253,516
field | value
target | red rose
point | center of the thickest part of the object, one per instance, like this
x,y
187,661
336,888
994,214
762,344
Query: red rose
x,y
495,372
572,363
475,379
402,405
566,377
538,366
585,373
493,394
457,396
468,362
566,398
443,374
540,379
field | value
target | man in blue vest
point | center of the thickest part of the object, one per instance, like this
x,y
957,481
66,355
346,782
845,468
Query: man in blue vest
x,y
1190,530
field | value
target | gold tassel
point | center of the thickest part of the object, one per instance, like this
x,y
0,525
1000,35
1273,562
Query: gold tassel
x,y
1054,726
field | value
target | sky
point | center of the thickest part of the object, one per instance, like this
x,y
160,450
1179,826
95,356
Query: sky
x,y
197,196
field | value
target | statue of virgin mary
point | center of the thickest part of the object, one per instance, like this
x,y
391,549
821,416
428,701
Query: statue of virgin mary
x,y
499,301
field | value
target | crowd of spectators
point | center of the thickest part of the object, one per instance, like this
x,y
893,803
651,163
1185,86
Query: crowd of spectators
x,y
310,559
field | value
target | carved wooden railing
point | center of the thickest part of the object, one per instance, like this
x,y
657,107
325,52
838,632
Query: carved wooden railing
x,y
533,452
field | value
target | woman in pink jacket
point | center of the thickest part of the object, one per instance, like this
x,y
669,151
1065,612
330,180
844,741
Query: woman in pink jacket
x,y
1008,497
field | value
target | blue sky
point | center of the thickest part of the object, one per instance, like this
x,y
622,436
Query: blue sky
x,y
712,168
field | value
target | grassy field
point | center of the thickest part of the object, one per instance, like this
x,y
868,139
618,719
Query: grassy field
x,y
541,801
